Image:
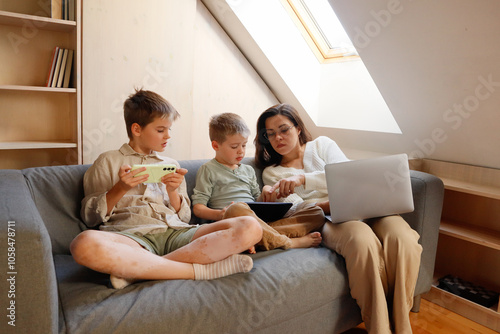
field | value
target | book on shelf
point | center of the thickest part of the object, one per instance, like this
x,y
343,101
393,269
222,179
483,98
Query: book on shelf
x,y
67,71
56,9
55,70
60,68
63,9
71,9
53,62
60,55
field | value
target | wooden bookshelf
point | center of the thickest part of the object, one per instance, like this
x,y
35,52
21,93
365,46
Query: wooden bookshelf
x,y
471,233
469,241
31,145
472,188
40,125
489,317
37,89
45,23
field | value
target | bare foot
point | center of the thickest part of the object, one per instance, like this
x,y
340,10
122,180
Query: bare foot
x,y
252,250
312,239
120,283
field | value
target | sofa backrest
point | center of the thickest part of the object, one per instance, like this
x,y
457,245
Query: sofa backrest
x,y
57,192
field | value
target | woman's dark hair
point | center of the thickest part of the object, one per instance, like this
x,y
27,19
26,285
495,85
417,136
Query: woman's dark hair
x,y
265,155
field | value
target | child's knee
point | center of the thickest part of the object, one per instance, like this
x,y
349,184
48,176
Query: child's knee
x,y
237,210
82,244
251,228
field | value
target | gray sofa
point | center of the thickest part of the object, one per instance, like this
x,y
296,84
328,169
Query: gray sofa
x,y
293,291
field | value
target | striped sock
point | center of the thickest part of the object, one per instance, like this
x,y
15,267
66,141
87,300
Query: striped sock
x,y
231,265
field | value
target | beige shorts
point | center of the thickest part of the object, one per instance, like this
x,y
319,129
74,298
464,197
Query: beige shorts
x,y
163,243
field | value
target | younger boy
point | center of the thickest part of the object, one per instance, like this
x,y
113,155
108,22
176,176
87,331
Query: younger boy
x,y
224,180
145,233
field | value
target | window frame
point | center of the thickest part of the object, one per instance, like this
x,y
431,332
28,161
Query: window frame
x,y
313,35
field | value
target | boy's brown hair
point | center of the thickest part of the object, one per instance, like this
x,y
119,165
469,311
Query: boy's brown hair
x,y
144,106
226,124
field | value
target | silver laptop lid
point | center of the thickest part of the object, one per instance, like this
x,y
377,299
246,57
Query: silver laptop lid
x,y
369,188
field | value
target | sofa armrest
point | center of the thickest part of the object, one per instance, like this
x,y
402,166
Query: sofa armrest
x,y
428,192
28,281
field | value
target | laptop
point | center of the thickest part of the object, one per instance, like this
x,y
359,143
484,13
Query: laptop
x,y
369,188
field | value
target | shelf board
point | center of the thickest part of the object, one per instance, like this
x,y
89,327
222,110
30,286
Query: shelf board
x,y
478,235
43,23
471,188
489,317
37,89
27,145
474,180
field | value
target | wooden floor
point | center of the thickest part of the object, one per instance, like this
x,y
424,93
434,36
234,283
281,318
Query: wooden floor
x,y
433,319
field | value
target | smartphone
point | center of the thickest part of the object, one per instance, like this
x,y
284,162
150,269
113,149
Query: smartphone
x,y
155,171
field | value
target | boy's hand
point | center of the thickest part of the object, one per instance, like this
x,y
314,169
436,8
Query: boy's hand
x,y
173,180
223,211
268,195
128,180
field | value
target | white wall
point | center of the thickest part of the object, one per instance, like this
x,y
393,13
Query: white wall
x,y
224,81
430,60
175,48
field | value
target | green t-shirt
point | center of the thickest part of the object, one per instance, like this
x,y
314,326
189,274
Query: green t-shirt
x,y
218,185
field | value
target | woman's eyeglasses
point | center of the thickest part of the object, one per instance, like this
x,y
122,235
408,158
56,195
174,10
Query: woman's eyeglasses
x,y
284,131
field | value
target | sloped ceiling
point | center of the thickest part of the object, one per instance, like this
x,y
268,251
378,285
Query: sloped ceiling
x,y
435,62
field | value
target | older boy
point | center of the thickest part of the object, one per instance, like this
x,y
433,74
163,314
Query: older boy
x,y
145,233
224,180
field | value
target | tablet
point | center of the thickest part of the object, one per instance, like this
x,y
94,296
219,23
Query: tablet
x,y
269,211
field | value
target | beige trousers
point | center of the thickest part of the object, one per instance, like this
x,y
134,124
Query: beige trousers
x,y
383,259
307,218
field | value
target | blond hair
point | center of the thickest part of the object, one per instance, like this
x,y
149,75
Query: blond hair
x,y
226,124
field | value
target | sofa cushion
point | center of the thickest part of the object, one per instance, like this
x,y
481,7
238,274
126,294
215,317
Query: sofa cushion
x,y
57,192
284,286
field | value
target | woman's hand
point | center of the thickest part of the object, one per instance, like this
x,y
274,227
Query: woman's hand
x,y
325,206
286,187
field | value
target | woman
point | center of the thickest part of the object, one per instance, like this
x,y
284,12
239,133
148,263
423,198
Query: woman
x,y
382,255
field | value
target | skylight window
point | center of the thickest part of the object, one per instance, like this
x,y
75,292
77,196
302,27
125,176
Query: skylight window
x,y
322,29
335,93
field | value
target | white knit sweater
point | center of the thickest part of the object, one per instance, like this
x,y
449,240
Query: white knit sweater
x,y
317,154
